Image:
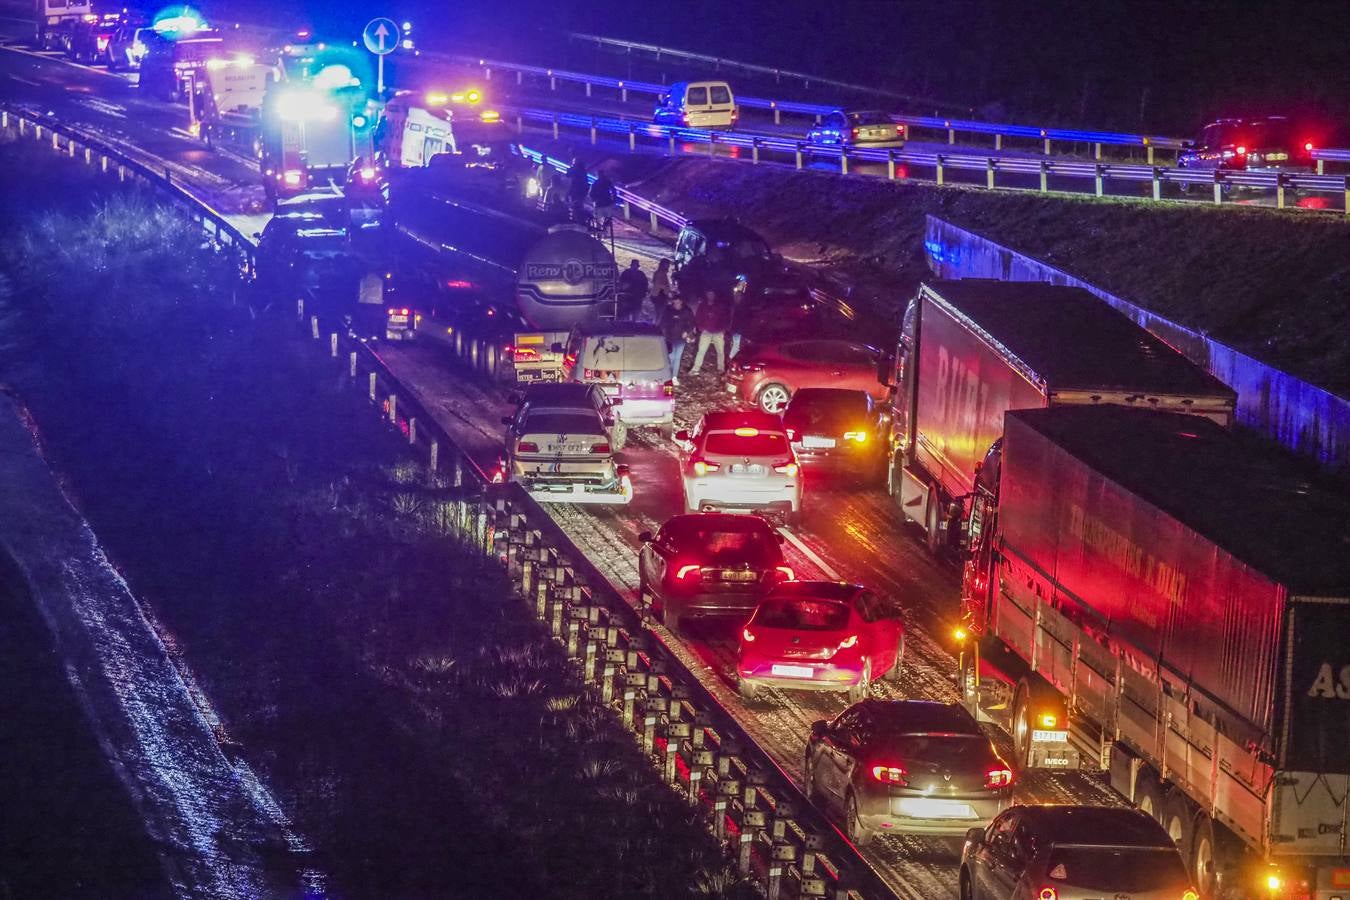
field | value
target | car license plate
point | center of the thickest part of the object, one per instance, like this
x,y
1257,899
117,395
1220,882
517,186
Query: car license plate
x,y
611,389
1051,737
792,671
931,808
1277,156
814,442
398,320
569,449
738,576
743,469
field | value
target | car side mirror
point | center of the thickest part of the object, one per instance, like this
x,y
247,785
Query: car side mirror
x,y
506,420
974,836
886,369
819,727
645,537
555,348
682,435
257,235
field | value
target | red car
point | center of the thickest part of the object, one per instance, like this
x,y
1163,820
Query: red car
x,y
768,374
820,635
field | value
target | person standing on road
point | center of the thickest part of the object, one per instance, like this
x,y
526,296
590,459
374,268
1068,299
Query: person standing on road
x,y
604,201
632,290
578,188
739,314
677,323
713,318
661,281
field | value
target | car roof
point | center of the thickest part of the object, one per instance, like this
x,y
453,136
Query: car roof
x,y
724,230
750,418
923,715
817,590
1102,825
620,329
564,392
718,522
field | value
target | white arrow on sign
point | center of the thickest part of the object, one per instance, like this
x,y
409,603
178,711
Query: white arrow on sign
x,y
381,36
381,32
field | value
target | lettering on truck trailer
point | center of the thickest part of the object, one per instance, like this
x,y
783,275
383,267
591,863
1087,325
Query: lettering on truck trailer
x,y
573,271
1164,578
1327,686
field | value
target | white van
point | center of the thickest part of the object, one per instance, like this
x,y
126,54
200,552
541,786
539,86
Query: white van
x,y
630,362
697,104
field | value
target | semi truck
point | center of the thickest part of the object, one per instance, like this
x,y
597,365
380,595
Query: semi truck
x,y
1168,601
57,21
970,350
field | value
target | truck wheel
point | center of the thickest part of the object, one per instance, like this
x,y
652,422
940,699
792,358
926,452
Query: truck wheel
x,y
1149,794
1178,821
1021,724
1201,861
933,523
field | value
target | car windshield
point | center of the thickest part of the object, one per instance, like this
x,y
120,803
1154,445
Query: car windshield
x,y
1122,869
645,353
761,443
748,248
802,615
718,547
869,117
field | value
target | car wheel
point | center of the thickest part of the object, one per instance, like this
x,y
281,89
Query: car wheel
x,y
893,673
1179,820
620,436
858,833
668,431
859,691
812,792
672,619
794,518
773,398
967,891
747,690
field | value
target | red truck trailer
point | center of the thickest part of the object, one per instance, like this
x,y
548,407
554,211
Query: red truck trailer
x,y
973,349
1169,601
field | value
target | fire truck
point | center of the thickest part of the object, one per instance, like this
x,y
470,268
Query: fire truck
x,y
313,132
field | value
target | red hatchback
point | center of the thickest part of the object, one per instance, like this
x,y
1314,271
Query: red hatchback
x,y
768,374
822,636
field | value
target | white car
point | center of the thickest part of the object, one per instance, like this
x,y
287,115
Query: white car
x,y
740,462
563,456
571,397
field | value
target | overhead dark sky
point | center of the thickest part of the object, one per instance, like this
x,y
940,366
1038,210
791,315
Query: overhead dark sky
x,y
1155,65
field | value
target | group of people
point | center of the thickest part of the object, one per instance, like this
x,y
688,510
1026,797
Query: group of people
x,y
714,320
586,200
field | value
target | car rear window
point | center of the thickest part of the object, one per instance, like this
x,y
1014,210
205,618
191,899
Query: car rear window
x,y
561,423
960,751
626,355
802,615
1118,869
869,118
843,411
729,547
720,94
729,443
697,96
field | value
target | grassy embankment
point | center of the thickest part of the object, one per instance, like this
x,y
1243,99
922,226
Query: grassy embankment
x,y
420,728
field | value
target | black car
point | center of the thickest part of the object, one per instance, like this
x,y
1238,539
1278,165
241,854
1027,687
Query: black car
x,y
906,766
713,253
709,564
300,254
1072,853
1271,144
836,428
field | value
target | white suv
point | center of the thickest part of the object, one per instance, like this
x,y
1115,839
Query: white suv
x,y
740,461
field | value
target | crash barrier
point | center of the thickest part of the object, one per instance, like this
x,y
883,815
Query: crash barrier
x,y
93,152
1285,408
776,837
1072,176
948,128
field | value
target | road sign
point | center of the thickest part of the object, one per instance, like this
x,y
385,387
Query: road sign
x,y
381,36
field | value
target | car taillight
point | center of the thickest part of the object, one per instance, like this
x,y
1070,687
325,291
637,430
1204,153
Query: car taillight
x,y
784,573
703,467
787,468
1307,146
855,132
1190,894
367,173
850,641
668,389
570,359
527,447
747,635
859,436
522,353
688,573
404,311
900,130
1241,151
890,774
998,778
1048,893
792,434
601,447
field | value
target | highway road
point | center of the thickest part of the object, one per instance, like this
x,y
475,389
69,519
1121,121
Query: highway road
x,y
851,532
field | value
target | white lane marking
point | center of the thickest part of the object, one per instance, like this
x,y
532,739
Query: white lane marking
x,y
809,553
25,80
58,59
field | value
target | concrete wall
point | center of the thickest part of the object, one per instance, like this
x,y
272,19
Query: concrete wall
x,y
1292,411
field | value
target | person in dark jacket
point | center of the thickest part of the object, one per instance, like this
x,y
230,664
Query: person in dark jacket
x,y
677,323
604,200
632,290
578,187
713,317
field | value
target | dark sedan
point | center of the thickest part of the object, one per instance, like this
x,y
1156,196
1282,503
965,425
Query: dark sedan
x,y
911,766
835,428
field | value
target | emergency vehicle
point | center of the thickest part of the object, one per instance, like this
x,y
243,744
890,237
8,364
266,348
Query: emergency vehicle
x,y
313,131
415,127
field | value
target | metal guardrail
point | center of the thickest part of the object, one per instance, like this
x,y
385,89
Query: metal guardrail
x,y
778,839
1090,173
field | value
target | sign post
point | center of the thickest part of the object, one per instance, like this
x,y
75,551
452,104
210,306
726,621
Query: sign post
x,y
381,37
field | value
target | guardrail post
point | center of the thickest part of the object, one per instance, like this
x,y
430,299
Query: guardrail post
x,y
435,455
372,387
314,327
989,173
671,136
88,156
56,141
623,93
70,147
1097,150
1279,190
351,364
121,172
588,89
1218,187
627,209
939,169
592,132
632,136
37,132
552,82
4,118
1347,195
1045,176
393,409
799,156
656,226
998,142
300,310
332,345
1150,154
412,430
1099,171
487,73
520,77
754,151
712,142
1047,146
555,127
520,124
777,114
843,160
1157,183
951,136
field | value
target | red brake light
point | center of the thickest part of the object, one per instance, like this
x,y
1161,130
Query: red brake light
x,y
998,778
688,573
668,389
747,635
527,447
1048,893
601,447
1308,145
403,311
526,353
703,467
392,310
855,132
785,573
570,359
787,468
890,774
1241,150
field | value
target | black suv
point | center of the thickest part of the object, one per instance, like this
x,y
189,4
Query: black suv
x,y
713,253
1272,144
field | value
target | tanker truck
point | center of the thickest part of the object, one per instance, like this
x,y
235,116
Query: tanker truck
x,y
1168,601
970,350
